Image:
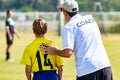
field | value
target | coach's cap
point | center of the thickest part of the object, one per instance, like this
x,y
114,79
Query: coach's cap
x,y
69,5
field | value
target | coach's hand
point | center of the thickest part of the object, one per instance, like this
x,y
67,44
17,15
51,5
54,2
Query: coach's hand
x,y
48,49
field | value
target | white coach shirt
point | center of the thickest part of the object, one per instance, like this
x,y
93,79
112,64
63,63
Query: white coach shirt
x,y
82,35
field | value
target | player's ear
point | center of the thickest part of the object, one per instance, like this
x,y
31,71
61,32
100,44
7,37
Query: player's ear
x,y
34,31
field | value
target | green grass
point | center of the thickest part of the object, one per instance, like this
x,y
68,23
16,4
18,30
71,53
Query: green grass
x,y
112,45
15,71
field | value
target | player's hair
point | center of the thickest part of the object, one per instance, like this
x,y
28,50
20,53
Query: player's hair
x,y
40,26
71,14
8,12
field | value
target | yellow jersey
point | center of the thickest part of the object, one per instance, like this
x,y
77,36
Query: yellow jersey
x,y
39,61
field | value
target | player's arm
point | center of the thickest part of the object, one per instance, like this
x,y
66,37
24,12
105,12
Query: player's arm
x,y
60,72
9,34
16,33
28,72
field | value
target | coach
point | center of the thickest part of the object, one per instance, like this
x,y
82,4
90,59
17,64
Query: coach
x,y
81,35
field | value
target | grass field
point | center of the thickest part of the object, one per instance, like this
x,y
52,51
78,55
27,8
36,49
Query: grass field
x,y
15,71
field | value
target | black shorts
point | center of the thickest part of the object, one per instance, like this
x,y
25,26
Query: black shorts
x,y
9,42
103,74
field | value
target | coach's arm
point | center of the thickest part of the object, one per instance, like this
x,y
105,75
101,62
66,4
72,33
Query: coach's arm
x,y
63,53
52,50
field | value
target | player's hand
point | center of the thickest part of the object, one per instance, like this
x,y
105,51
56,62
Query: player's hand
x,y
47,49
11,38
18,35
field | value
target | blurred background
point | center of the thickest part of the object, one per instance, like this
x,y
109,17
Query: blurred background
x,y
106,13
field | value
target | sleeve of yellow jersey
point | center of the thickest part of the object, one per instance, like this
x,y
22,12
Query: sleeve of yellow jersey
x,y
26,58
59,61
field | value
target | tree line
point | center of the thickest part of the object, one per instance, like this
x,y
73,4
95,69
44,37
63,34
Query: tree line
x,y
51,5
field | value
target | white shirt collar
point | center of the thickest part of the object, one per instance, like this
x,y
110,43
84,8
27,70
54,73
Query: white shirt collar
x,y
76,16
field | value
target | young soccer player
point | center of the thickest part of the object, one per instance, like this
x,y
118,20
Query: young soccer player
x,y
43,66
10,30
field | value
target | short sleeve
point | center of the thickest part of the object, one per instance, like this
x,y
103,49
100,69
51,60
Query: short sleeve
x,y
26,57
59,61
7,23
68,38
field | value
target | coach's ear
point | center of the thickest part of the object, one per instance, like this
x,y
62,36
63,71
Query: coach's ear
x,y
66,15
